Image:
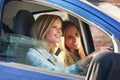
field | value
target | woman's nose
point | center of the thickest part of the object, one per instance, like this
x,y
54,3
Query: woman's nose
x,y
59,30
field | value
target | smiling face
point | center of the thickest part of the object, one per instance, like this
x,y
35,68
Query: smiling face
x,y
54,33
72,38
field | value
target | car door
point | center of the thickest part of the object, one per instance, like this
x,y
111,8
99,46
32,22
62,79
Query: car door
x,y
77,11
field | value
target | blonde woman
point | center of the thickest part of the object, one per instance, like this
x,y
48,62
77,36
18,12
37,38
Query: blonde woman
x,y
71,44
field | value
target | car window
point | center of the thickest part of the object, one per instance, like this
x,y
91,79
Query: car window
x,y
100,38
38,9
14,42
15,46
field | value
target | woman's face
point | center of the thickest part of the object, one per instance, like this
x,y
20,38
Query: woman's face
x,y
72,38
54,33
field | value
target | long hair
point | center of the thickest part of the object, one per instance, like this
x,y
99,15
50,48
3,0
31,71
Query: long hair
x,y
42,25
69,57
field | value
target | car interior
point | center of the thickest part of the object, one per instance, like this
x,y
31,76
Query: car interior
x,y
18,18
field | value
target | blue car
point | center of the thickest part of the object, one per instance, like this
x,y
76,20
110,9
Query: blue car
x,y
98,27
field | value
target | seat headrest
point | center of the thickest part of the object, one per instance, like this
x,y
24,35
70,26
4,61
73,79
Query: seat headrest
x,y
23,22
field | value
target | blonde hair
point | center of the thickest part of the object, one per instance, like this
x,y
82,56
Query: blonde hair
x,y
70,58
42,25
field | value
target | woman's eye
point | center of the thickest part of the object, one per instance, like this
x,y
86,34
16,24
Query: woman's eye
x,y
54,27
77,34
69,37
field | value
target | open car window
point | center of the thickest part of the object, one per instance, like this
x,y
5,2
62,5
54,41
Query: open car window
x,y
38,9
100,38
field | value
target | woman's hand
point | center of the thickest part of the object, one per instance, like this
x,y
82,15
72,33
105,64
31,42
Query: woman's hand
x,y
98,51
101,50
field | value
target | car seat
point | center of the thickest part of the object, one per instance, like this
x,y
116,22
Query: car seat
x,y
23,22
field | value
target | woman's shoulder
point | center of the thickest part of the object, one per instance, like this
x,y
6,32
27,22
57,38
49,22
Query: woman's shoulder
x,y
34,51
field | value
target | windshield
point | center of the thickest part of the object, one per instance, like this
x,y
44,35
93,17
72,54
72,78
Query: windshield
x,y
109,7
